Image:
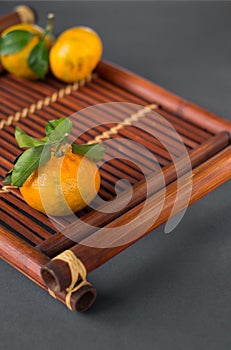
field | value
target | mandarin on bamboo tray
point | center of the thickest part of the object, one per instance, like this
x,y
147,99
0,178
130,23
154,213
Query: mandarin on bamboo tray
x,y
185,145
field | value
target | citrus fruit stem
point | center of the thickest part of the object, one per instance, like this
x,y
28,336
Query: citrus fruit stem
x,y
49,27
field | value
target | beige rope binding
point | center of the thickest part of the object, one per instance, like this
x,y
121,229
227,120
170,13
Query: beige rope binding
x,y
128,121
78,271
25,13
5,189
67,90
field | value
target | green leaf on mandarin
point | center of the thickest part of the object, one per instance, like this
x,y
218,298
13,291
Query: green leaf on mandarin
x,y
38,59
14,41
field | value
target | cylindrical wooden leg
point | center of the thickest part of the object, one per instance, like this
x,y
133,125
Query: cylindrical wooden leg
x,y
83,298
56,275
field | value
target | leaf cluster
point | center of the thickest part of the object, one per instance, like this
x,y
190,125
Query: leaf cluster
x,y
39,150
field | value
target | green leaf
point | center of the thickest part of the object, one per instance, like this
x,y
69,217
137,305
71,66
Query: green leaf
x,y
25,140
7,179
95,151
14,41
38,59
56,130
29,160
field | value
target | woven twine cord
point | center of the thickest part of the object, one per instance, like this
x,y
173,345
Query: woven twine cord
x,y
7,188
128,121
78,271
67,91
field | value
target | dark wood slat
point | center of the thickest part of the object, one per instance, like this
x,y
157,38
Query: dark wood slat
x,y
119,91
42,87
18,226
41,219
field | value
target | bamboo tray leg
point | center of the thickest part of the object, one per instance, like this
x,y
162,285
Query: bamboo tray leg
x,y
29,261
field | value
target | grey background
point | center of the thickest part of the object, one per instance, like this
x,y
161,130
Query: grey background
x,y
166,291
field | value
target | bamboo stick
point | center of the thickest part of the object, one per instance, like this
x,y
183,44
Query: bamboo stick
x,y
56,273
78,232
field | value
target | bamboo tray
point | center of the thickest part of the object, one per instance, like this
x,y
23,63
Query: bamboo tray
x,y
29,240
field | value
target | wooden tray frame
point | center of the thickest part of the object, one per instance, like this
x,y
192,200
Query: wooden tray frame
x,y
210,175
206,177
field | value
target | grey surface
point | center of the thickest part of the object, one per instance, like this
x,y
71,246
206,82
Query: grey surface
x,y
168,291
